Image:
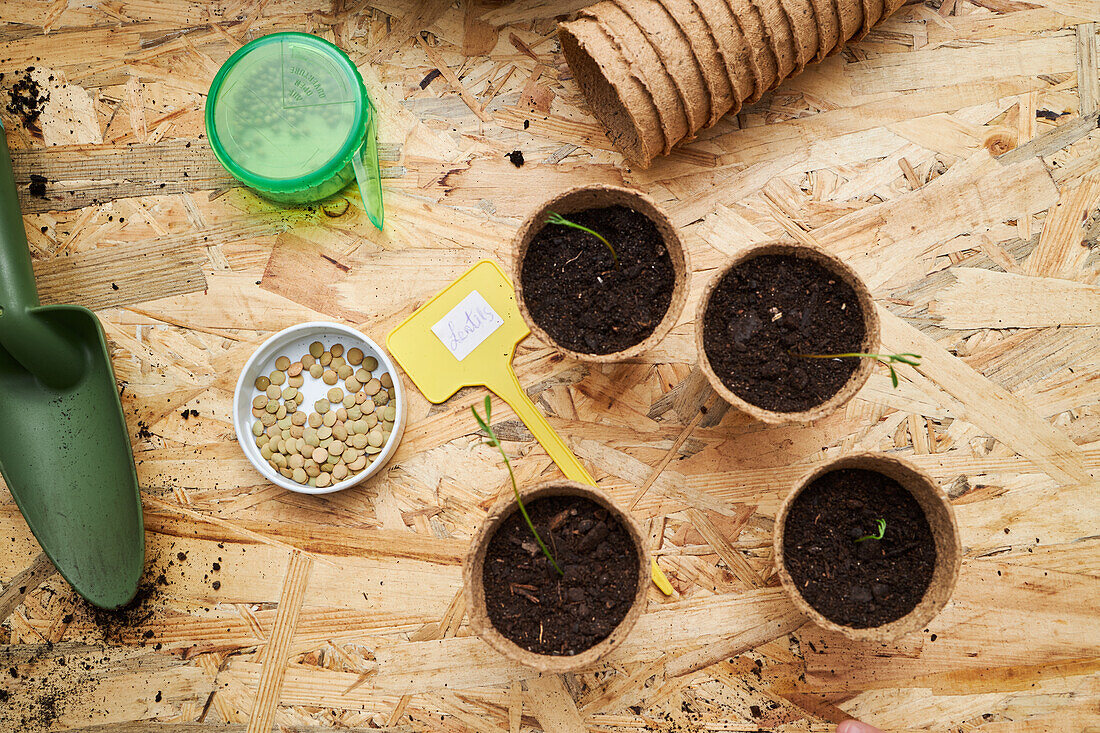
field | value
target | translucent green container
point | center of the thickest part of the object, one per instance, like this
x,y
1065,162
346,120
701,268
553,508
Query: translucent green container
x,y
289,117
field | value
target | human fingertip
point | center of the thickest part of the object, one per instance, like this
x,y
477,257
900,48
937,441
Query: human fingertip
x,y
854,726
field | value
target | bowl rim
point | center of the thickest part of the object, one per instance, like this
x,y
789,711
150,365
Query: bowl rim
x,y
244,433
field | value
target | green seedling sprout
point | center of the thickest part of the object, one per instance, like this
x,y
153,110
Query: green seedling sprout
x,y
560,220
888,359
494,442
881,531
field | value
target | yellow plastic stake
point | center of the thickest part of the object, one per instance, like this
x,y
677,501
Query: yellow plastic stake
x,y
659,578
466,336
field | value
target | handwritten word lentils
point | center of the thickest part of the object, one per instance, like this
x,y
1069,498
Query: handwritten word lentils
x,y
346,429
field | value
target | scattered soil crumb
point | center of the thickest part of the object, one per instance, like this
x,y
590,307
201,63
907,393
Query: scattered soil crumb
x,y
26,100
38,186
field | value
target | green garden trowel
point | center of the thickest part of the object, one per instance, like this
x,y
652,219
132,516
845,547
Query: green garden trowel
x,y
64,449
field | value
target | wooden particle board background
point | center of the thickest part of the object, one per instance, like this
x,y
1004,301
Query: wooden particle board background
x,y
952,157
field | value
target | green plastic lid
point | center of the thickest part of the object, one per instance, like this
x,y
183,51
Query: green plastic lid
x,y
288,115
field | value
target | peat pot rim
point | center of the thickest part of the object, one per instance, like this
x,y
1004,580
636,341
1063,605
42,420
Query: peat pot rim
x,y
473,586
945,532
614,95
593,196
870,343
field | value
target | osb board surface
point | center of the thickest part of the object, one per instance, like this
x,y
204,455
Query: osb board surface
x,y
343,612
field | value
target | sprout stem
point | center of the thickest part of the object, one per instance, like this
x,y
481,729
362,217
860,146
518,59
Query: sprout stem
x,y
560,220
880,533
495,442
888,359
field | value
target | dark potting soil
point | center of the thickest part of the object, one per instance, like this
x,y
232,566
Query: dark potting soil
x,y
770,308
577,294
858,584
529,603
38,186
26,99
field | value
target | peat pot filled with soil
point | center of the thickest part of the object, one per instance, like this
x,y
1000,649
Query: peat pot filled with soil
x,y
766,322
608,281
867,545
528,611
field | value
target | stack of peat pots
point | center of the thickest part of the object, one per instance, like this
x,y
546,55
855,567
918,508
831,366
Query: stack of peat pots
x,y
656,72
865,544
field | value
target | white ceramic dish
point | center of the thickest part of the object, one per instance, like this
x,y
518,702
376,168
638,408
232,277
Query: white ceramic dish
x,y
293,342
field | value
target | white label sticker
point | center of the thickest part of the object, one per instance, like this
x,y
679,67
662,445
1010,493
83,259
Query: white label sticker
x,y
467,325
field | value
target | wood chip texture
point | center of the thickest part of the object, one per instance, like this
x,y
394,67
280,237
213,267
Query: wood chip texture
x,y
952,157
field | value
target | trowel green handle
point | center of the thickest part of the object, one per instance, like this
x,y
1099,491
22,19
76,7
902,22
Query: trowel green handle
x,y
17,291
42,352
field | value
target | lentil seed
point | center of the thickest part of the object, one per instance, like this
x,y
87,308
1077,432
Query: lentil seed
x,y
344,433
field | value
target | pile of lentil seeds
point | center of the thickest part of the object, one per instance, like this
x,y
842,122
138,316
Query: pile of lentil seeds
x,y
346,430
